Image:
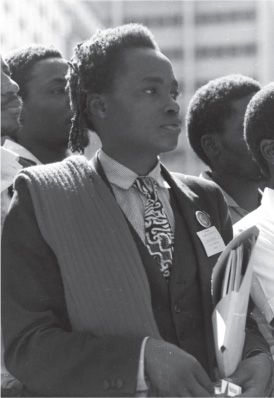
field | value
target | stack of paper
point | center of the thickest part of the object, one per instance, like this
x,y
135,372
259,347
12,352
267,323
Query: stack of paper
x,y
231,282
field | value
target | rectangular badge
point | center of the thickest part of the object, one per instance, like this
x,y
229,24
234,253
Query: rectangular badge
x,y
211,240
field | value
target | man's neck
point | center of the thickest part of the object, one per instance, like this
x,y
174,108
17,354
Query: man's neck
x,y
45,154
244,192
141,164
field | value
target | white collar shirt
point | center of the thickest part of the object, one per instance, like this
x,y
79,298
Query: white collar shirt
x,y
130,200
24,153
20,150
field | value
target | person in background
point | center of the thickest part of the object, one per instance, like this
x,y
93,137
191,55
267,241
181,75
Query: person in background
x,y
112,294
39,72
38,77
11,106
214,125
259,136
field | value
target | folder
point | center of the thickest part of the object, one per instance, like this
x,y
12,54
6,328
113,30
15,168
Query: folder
x,y
230,289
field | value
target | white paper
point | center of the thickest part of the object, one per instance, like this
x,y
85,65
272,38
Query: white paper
x,y
212,241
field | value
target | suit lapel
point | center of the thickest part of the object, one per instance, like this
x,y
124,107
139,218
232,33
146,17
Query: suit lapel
x,y
188,203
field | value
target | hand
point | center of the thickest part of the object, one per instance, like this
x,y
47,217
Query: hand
x,y
253,375
173,372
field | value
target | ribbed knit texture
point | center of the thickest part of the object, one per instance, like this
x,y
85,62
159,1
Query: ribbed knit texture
x,y
106,287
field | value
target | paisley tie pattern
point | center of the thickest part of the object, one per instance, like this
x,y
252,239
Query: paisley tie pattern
x,y
159,237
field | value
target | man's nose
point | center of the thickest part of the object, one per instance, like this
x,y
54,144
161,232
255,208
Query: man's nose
x,y
172,106
9,86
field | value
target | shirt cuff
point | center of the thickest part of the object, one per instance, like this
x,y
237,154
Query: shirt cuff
x,y
142,386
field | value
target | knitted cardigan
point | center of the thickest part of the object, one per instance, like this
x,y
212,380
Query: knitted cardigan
x,y
105,284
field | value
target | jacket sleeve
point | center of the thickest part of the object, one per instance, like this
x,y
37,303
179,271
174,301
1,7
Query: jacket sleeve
x,y
41,350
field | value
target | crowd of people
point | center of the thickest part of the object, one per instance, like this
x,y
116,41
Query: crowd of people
x,y
106,283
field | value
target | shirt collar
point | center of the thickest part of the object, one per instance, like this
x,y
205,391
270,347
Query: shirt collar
x,y
20,150
267,203
121,176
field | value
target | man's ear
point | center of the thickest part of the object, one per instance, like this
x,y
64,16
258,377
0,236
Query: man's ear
x,y
96,106
211,145
267,149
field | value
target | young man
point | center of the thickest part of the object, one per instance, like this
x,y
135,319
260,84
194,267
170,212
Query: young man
x,y
259,135
11,106
116,293
214,125
46,115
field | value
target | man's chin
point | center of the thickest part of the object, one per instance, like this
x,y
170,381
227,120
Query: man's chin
x,y
10,129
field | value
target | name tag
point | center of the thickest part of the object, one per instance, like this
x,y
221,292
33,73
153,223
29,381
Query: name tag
x,y
211,240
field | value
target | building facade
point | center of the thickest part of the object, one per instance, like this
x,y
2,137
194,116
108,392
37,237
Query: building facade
x,y
204,39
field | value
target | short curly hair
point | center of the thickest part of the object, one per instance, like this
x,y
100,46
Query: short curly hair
x,y
211,105
93,68
259,123
22,60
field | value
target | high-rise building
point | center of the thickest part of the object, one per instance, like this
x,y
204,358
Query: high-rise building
x,y
204,39
61,23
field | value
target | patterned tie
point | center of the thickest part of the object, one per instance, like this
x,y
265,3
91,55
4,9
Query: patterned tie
x,y
159,237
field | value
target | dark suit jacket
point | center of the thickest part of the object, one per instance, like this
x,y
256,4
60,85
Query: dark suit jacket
x,y
41,349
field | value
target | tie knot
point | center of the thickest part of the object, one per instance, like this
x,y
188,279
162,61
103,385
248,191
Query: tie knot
x,y
147,186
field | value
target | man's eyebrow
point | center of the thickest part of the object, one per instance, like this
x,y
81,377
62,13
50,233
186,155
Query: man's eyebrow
x,y
154,79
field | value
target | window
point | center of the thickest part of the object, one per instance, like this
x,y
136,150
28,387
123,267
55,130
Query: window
x,y
232,16
155,21
227,51
173,53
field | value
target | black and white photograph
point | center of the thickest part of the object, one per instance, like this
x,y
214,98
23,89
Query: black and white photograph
x,y
137,198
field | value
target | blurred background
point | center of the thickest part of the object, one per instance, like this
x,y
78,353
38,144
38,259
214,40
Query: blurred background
x,y
204,39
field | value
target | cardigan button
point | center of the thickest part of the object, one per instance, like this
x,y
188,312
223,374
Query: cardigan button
x,y
119,383
177,308
106,384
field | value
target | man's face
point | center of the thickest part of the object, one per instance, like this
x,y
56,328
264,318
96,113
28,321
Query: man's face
x,y
46,112
235,158
10,103
141,108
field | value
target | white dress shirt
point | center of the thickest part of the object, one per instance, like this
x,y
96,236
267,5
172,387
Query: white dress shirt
x,y
24,153
130,199
262,289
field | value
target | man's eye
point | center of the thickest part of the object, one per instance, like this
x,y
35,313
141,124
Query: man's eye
x,y
150,90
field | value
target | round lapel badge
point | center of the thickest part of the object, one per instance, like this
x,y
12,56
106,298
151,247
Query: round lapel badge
x,y
203,218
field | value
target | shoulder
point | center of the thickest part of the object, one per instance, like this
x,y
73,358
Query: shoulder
x,y
199,185
53,171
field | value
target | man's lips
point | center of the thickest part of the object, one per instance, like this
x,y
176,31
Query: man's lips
x,y
12,105
174,127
